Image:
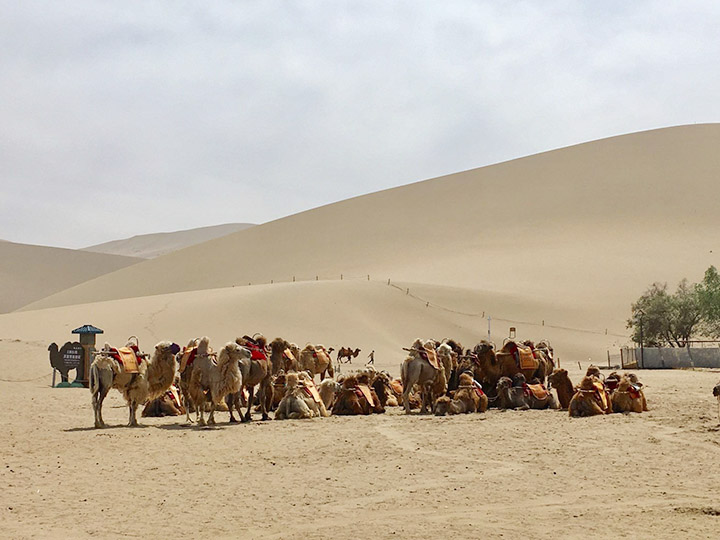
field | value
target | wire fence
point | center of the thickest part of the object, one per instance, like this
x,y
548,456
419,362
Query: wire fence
x,y
429,304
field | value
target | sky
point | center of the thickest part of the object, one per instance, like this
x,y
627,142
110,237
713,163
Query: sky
x,y
124,118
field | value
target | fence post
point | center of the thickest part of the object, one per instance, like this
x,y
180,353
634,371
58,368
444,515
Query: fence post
x,y
341,277
388,281
293,279
316,278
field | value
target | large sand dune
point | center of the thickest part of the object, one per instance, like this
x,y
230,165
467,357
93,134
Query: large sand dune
x,y
149,246
583,229
28,273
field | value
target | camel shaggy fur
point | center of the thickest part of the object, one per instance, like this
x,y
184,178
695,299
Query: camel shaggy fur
x,y
418,370
212,380
169,404
256,371
347,401
317,408
328,389
279,358
293,405
153,379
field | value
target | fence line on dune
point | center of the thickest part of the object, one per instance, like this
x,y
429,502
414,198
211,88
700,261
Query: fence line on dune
x,y
429,304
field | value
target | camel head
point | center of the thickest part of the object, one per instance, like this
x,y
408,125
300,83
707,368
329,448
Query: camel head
x,y
504,383
466,379
292,380
593,371
203,346
519,380
442,406
167,347
558,376
587,383
350,382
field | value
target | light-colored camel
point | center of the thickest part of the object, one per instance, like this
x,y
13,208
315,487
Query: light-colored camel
x,y
256,370
560,381
153,379
328,389
212,380
628,397
417,370
293,404
590,399
316,405
316,360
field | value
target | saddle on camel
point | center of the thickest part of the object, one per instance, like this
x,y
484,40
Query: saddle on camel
x,y
129,357
426,353
524,355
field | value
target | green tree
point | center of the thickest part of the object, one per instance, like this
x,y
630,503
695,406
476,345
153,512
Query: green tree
x,y
708,292
666,319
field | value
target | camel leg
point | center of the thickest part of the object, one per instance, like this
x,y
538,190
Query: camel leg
x,y
133,414
233,401
251,398
200,414
97,401
211,418
266,397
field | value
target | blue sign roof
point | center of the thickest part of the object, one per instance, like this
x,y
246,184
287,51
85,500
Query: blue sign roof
x,y
87,329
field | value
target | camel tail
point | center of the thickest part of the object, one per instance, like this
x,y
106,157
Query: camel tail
x,y
94,382
404,374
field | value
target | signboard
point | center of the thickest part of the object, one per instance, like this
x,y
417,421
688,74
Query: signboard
x,y
70,356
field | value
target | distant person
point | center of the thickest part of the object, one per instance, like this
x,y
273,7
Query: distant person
x,y
371,356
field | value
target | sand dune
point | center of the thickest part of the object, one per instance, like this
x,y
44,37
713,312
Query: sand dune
x,y
587,227
150,246
28,273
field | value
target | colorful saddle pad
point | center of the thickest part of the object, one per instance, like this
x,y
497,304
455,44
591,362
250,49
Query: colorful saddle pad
x,y
128,359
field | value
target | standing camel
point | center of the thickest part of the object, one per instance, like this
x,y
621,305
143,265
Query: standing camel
x,y
347,352
281,357
417,369
256,369
152,378
212,379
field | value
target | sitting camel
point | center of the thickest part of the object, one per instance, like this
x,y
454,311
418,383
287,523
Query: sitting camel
x,y
312,396
468,398
213,380
328,389
350,400
628,397
560,381
152,379
293,405
169,404
380,383
590,399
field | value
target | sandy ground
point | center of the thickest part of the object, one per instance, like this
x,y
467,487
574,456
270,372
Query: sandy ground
x,y
538,474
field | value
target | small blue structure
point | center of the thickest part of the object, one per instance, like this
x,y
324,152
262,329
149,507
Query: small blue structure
x,y
87,334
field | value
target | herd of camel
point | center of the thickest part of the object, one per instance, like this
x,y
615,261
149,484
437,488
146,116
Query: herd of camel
x,y
436,376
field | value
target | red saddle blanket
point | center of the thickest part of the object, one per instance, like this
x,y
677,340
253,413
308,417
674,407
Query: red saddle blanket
x,y
188,358
312,391
431,356
524,356
362,390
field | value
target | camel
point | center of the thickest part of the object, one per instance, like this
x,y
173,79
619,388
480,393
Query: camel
x,y
293,405
347,352
213,380
328,389
312,396
153,378
185,360
468,398
560,381
316,360
417,369
590,399
448,358
510,396
380,383
628,397
281,357
256,369
169,404
369,394
348,400
279,385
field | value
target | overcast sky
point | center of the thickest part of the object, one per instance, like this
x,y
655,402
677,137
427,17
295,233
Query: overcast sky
x,y
159,116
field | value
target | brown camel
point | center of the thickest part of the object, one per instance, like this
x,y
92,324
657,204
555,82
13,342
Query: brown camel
x,y
255,369
628,397
186,360
169,404
212,380
279,384
418,369
347,352
468,398
312,396
716,393
380,383
151,378
316,360
590,399
560,381
369,394
281,357
347,401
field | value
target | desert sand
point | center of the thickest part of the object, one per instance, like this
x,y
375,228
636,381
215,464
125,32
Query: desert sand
x,y
557,245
